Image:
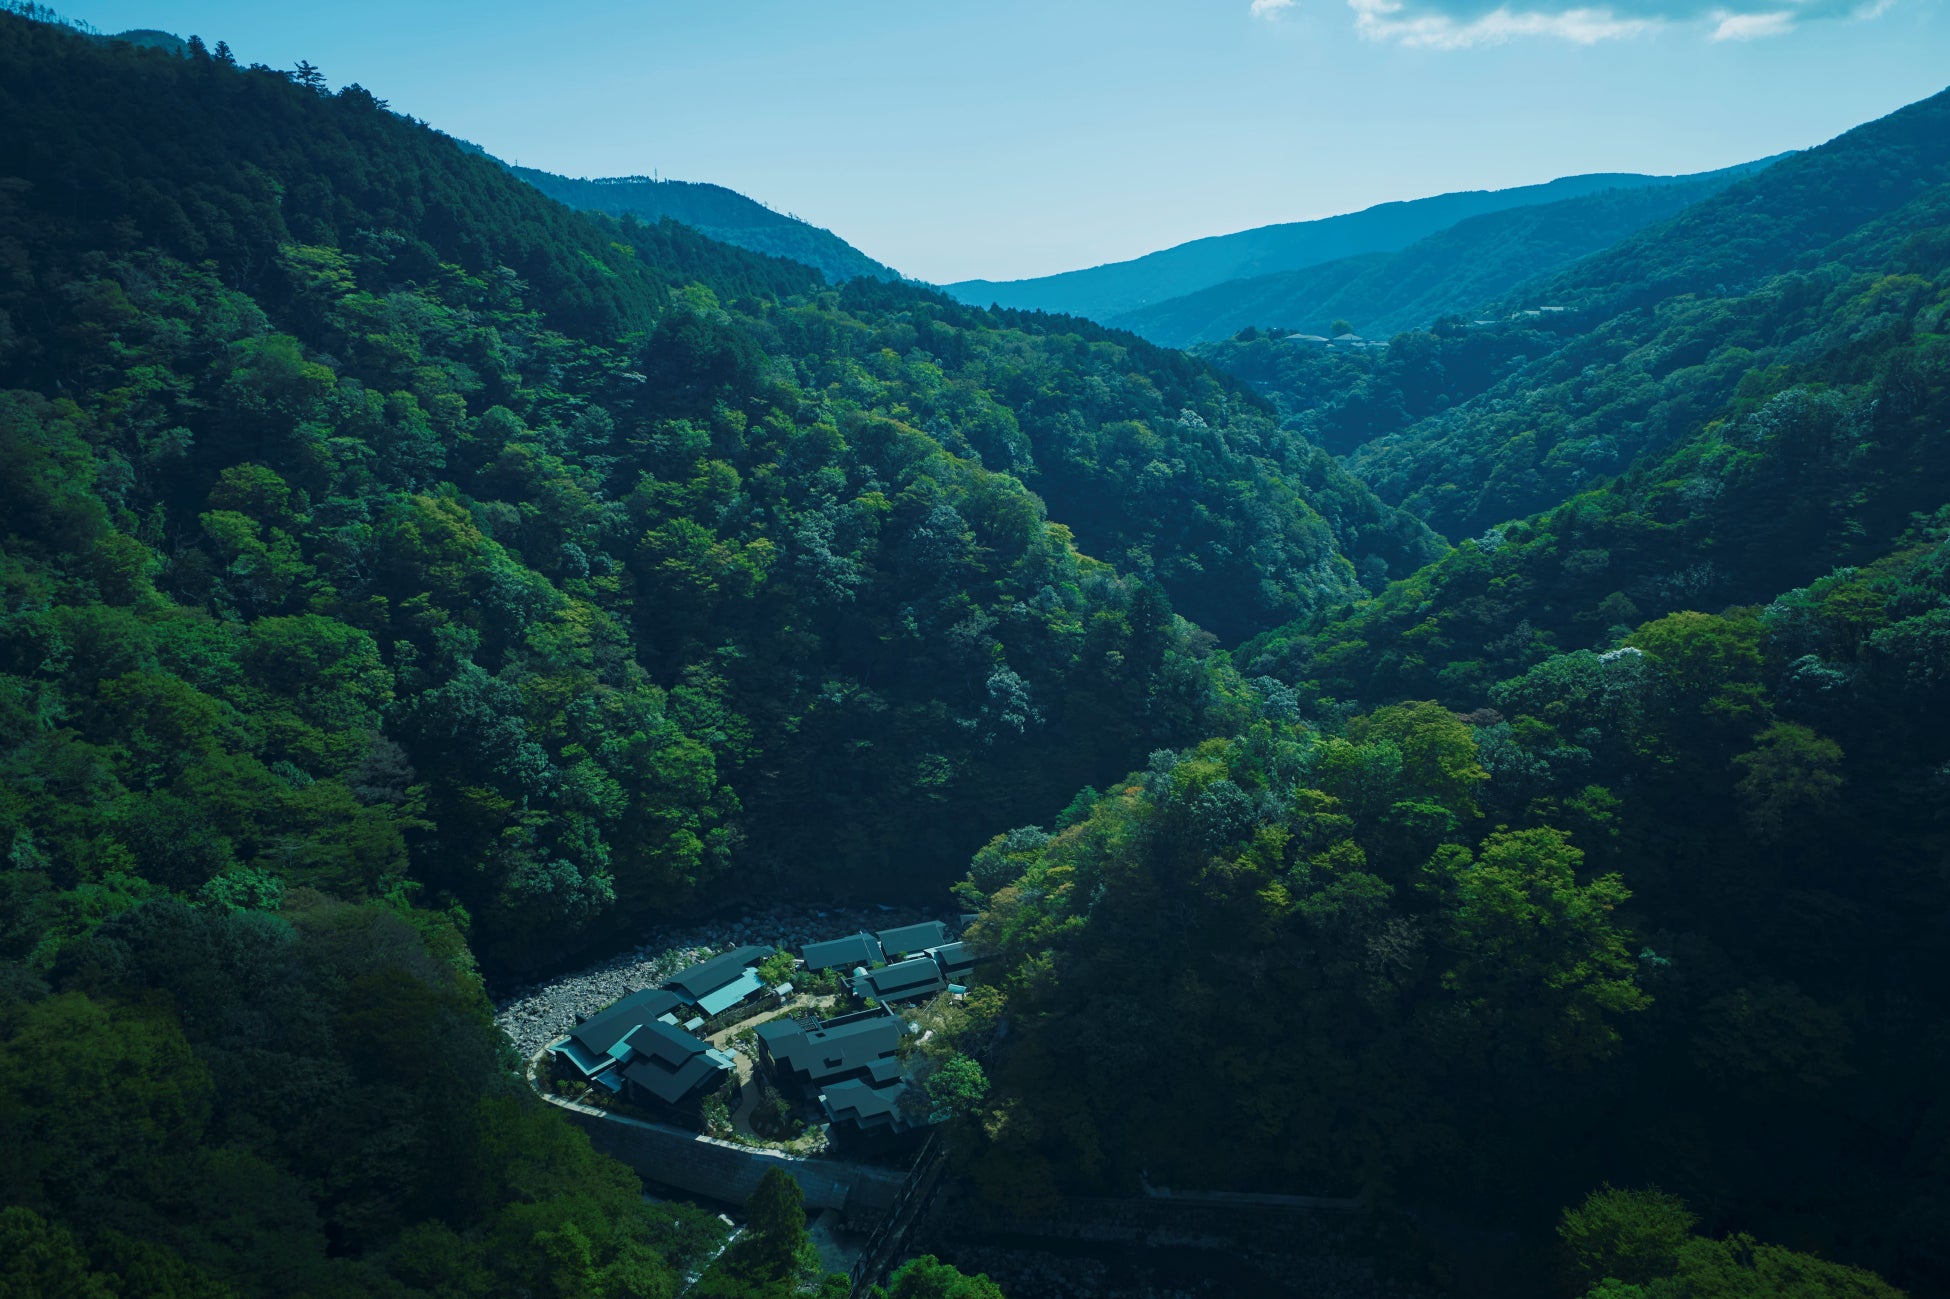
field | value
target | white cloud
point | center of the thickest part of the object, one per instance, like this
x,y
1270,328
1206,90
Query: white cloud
x,y
1749,27
1392,20
1459,24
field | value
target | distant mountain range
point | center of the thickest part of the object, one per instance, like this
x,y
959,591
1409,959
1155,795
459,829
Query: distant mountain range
x,y
1106,292
723,214
1454,271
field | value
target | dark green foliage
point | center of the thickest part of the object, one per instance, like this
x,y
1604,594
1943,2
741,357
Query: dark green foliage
x,y
1816,269
927,1277
334,563
1639,1245
309,1102
774,1258
722,214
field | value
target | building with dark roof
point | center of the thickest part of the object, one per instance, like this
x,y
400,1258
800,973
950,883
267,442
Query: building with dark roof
x,y
589,1045
722,982
842,953
811,1054
630,1050
907,980
668,1066
912,938
957,962
865,1107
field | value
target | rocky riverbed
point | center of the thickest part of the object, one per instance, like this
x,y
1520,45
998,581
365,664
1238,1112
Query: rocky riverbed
x,y
536,1015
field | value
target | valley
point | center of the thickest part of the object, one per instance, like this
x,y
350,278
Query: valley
x,y
1422,731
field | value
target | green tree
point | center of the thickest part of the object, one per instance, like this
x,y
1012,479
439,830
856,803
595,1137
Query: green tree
x,y
1632,1236
1536,949
1791,772
956,1087
927,1277
40,1261
775,1217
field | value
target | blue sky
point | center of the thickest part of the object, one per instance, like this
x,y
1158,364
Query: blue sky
x,y
1021,137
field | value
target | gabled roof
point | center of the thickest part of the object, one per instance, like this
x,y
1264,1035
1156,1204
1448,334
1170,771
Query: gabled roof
x,y
708,976
732,993
603,1030
671,1085
912,938
589,1063
835,1048
665,1044
836,953
669,1063
917,977
867,1105
953,958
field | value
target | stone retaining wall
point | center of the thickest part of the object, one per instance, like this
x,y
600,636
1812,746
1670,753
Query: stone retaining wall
x,y
722,1171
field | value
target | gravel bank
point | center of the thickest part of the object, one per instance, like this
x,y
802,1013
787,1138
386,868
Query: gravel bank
x,y
536,1015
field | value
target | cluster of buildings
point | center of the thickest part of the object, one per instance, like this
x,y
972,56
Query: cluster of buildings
x,y
644,1047
1350,342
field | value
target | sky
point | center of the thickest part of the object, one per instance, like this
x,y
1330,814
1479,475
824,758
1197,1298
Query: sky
x,y
1014,138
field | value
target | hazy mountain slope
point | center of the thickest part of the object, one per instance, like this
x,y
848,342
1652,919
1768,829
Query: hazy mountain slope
x,y
1454,271
716,211
1100,292
1661,330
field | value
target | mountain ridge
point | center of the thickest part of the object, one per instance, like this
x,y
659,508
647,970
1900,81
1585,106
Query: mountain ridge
x,y
1099,292
1459,269
715,210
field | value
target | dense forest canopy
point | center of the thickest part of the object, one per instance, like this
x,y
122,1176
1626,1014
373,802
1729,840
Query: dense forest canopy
x,y
1650,338
1609,848
723,214
406,580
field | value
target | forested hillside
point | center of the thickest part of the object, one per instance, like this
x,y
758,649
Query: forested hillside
x,y
723,214
406,580
1103,292
1811,258
1608,850
401,568
1454,271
